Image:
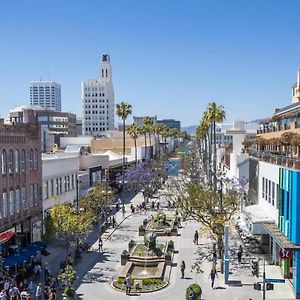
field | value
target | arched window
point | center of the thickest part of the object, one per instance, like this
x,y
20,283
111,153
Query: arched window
x,y
31,159
11,161
23,160
17,160
35,159
4,161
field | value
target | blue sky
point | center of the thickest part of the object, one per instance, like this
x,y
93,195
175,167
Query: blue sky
x,y
169,57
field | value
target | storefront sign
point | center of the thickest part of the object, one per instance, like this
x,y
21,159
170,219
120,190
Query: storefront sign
x,y
284,254
6,235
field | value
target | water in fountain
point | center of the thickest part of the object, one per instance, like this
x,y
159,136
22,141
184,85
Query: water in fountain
x,y
145,272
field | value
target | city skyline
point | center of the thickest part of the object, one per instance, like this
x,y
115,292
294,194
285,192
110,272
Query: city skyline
x,y
237,54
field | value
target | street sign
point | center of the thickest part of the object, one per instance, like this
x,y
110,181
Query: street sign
x,y
275,280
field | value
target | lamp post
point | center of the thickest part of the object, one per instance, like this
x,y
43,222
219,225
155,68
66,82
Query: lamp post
x,y
77,212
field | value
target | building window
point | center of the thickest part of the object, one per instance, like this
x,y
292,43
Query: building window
x,y
4,162
35,199
35,159
66,188
263,187
72,181
17,159
23,160
17,200
31,159
273,193
57,186
52,187
31,195
11,161
46,189
60,185
4,204
11,203
24,202
68,182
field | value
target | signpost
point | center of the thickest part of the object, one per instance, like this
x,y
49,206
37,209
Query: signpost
x,y
275,280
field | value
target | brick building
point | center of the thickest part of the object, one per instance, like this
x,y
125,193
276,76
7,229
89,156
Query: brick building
x,y
20,184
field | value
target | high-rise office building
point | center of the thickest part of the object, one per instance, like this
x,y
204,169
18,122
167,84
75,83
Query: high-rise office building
x,y
46,94
98,101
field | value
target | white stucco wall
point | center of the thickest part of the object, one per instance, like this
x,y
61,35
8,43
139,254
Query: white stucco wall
x,y
54,167
270,172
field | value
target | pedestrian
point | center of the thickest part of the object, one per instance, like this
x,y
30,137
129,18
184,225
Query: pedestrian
x,y
3,295
37,270
31,287
117,206
38,292
128,284
52,295
113,221
157,205
196,237
152,205
182,268
214,258
100,245
239,254
47,271
212,276
192,294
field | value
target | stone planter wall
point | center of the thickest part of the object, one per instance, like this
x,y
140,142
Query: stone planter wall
x,y
124,259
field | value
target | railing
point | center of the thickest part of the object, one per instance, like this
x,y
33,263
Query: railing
x,y
278,159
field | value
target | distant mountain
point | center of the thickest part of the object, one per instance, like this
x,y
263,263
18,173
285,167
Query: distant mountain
x,y
190,129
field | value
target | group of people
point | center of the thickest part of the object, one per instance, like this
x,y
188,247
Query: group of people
x,y
24,289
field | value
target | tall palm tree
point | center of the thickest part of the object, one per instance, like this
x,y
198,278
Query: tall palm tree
x,y
158,129
215,114
165,134
134,131
149,122
144,130
124,109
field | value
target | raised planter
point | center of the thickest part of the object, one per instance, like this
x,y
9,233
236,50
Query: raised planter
x,y
131,244
124,258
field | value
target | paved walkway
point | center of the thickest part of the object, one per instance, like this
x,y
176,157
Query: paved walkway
x,y
97,270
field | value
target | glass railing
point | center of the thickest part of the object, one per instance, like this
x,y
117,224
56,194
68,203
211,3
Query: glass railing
x,y
278,159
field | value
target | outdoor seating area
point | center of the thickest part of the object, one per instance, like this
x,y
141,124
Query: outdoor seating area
x,y
24,254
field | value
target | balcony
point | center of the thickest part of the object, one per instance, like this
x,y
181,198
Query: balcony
x,y
278,159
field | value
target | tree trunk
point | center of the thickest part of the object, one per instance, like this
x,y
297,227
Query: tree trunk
x,y
215,157
123,162
135,152
145,146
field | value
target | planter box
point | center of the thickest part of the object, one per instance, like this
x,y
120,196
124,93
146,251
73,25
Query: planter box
x,y
124,259
174,231
142,231
168,259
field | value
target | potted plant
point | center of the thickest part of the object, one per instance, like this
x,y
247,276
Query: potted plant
x,y
141,230
67,277
197,292
124,257
170,246
131,244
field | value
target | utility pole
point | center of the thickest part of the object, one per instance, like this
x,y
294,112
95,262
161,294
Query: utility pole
x,y
77,211
264,281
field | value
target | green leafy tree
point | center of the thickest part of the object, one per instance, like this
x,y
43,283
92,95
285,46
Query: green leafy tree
x,y
134,131
70,224
208,207
149,123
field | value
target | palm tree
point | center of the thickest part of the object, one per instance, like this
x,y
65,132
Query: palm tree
x,y
149,122
215,114
134,131
143,130
158,129
124,109
165,133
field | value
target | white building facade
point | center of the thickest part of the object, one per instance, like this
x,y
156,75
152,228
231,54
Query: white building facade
x,y
59,175
46,94
98,101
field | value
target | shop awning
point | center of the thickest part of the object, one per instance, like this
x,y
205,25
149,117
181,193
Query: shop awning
x,y
24,254
280,238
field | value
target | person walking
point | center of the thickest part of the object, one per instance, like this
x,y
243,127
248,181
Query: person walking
x,y
128,284
196,237
38,292
37,271
214,259
240,253
182,268
213,274
100,245
113,221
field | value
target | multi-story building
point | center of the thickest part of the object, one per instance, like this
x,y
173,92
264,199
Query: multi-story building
x,y
53,123
60,172
140,120
278,169
98,101
46,94
170,123
20,184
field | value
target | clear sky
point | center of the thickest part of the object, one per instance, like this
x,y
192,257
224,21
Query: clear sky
x,y
169,57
